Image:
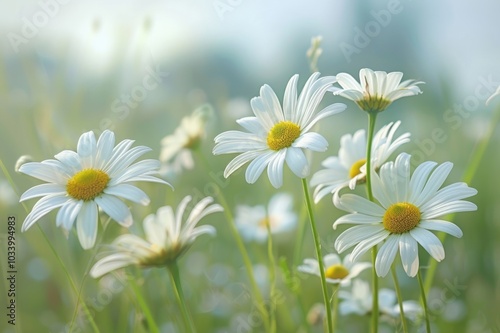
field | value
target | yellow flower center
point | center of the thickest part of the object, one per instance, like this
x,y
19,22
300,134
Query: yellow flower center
x,y
373,103
356,168
266,222
87,184
282,135
193,143
401,217
336,272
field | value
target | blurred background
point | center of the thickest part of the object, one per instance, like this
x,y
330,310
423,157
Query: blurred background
x,y
67,67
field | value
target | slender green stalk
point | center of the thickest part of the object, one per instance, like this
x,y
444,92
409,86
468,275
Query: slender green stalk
x,y
152,327
63,266
299,240
335,302
372,117
319,256
467,178
86,274
424,302
272,279
179,294
400,298
259,300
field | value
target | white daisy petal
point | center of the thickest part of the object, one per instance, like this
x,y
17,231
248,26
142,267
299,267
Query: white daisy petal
x,y
42,208
331,259
419,178
86,225
255,168
429,242
115,208
87,149
354,235
368,243
357,219
409,254
271,104
111,263
448,208
386,255
440,225
355,203
129,192
253,125
67,214
297,162
43,171
434,182
42,190
312,141
239,161
449,193
104,151
290,98
275,169
70,159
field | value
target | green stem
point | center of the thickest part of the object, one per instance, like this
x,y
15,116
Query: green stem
x,y
319,256
375,312
400,298
66,272
259,302
179,294
424,302
152,327
86,274
335,301
372,118
272,278
299,240
467,178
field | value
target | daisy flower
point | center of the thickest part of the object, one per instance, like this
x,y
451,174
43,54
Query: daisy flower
x,y
495,94
359,301
279,216
375,90
279,134
96,175
336,271
167,237
408,208
348,168
177,148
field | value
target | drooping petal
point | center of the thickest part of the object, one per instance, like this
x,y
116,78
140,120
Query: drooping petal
x,y
297,162
429,242
115,208
86,225
43,190
275,169
408,249
42,208
386,255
